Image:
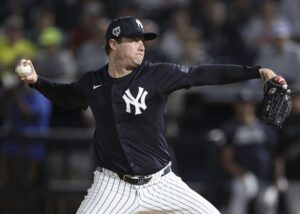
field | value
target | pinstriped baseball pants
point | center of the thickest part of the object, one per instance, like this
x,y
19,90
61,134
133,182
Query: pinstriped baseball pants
x,y
168,194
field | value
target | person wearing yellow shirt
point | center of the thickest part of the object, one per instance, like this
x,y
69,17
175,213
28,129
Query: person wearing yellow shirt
x,y
13,44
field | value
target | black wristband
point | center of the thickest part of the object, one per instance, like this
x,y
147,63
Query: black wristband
x,y
252,72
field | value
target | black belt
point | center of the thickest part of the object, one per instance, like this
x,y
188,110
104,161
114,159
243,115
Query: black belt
x,y
141,179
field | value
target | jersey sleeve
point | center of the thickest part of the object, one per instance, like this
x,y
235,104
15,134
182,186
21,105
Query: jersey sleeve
x,y
71,95
171,77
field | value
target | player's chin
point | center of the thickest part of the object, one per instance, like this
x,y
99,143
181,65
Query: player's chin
x,y
138,60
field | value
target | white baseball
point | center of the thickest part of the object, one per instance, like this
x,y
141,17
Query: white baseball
x,y
23,70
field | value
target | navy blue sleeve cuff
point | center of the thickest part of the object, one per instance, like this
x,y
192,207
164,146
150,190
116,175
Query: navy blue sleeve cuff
x,y
252,72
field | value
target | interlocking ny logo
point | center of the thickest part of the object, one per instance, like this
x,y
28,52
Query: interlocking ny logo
x,y
139,23
138,102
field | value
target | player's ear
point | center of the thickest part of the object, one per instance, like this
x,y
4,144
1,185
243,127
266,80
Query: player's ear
x,y
113,44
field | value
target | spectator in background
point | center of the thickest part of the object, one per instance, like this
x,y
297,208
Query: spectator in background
x,y
41,18
198,9
194,49
290,152
91,54
28,113
240,11
23,164
89,17
128,8
282,53
154,6
53,60
173,38
248,158
290,9
257,32
13,45
224,42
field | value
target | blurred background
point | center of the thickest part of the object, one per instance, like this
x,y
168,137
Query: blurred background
x,y
219,146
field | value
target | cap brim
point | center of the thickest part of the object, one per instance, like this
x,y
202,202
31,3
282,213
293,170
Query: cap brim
x,y
150,36
147,36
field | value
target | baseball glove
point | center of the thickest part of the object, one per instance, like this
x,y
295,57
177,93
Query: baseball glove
x,y
276,104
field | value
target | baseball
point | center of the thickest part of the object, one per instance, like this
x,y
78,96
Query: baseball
x,y
23,70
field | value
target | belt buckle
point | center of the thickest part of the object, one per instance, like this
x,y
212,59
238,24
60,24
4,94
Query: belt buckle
x,y
140,180
126,176
136,177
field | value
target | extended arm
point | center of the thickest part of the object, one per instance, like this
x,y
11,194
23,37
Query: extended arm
x,y
172,77
225,74
65,95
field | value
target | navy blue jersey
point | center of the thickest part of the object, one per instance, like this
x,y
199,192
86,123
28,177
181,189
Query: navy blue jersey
x,y
130,111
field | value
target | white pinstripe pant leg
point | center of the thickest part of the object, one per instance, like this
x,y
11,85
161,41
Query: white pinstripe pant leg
x,y
167,194
172,195
109,194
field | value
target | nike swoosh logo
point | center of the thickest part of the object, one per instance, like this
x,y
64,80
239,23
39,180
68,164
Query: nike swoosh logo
x,y
96,86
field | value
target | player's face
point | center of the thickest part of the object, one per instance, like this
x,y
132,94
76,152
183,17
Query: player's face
x,y
131,51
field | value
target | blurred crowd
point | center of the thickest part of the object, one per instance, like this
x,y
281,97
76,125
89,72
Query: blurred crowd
x,y
249,166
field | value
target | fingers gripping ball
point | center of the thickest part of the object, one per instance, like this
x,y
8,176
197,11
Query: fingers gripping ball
x,y
276,104
23,69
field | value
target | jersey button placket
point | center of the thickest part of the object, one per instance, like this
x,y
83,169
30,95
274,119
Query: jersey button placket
x,y
123,142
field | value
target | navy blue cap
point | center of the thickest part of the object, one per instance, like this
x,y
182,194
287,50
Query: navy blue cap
x,y
127,26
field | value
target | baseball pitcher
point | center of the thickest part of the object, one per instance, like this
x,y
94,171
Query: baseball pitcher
x,y
128,99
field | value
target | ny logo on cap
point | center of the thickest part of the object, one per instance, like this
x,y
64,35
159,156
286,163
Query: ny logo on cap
x,y
116,31
139,23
